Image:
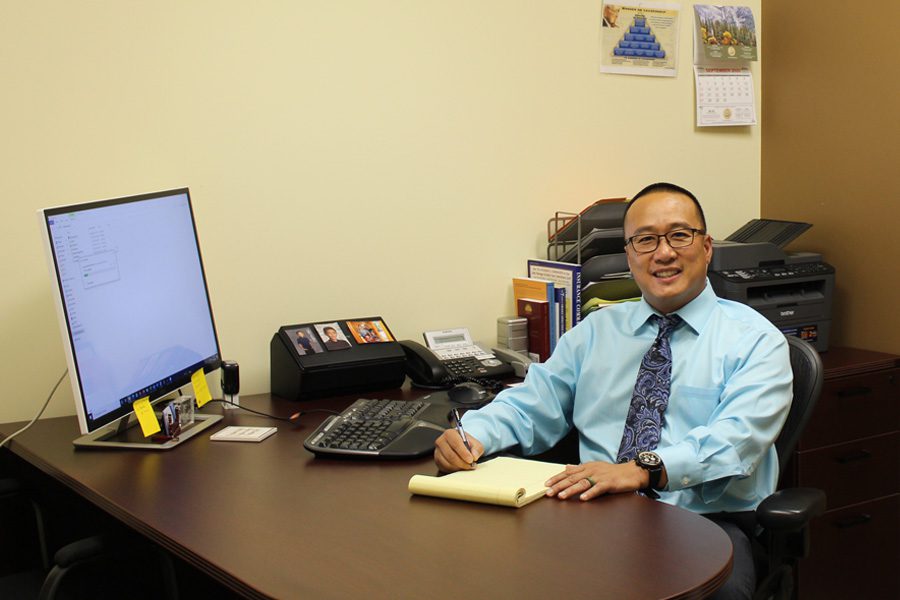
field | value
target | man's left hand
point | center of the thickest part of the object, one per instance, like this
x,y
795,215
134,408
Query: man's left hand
x,y
592,479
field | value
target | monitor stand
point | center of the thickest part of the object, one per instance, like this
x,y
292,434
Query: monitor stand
x,y
125,434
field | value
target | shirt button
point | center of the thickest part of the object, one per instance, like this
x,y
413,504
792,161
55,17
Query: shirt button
x,y
685,480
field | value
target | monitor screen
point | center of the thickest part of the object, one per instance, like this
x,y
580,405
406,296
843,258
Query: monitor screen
x,y
132,300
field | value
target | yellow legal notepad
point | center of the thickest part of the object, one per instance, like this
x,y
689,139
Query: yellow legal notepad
x,y
505,481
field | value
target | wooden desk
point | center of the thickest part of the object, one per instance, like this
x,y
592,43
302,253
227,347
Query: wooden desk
x,y
270,520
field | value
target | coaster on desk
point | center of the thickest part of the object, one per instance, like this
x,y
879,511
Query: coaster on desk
x,y
236,433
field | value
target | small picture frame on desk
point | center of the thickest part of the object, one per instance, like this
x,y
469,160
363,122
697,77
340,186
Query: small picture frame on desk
x,y
370,332
332,336
305,340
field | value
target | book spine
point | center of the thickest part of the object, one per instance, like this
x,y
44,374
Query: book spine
x,y
551,310
561,310
538,316
576,300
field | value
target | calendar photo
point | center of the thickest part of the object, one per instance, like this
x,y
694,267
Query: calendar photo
x,y
723,34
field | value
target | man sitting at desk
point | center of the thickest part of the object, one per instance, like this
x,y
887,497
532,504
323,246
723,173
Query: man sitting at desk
x,y
708,445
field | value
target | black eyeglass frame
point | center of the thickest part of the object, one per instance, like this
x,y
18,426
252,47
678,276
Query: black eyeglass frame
x,y
694,231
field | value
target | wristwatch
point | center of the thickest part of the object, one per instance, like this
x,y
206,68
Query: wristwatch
x,y
653,464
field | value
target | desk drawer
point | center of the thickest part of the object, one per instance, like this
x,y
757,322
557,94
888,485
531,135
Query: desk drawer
x,y
853,472
854,407
854,553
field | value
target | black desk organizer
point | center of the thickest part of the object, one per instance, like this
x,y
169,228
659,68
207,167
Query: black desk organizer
x,y
361,367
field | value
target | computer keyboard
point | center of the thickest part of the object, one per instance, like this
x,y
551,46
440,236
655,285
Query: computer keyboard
x,y
372,428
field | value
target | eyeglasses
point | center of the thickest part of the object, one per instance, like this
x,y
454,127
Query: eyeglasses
x,y
644,243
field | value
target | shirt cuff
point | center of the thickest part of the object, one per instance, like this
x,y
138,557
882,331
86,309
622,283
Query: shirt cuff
x,y
682,468
685,469
480,428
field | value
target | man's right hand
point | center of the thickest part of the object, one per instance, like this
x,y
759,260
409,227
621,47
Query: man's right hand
x,y
451,454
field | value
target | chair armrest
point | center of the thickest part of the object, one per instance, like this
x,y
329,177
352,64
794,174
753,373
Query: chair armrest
x,y
70,557
123,550
89,548
790,509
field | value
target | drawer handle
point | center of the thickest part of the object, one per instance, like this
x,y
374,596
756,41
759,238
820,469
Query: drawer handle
x,y
860,390
854,456
854,521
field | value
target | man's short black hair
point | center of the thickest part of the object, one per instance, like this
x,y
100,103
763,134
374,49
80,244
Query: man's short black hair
x,y
663,186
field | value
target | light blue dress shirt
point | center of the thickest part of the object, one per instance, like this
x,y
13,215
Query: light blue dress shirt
x,y
731,391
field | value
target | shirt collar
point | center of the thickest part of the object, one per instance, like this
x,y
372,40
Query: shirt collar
x,y
695,313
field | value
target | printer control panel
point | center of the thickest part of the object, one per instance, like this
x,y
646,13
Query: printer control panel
x,y
777,272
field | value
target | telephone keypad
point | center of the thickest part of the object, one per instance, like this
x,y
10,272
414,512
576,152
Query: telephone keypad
x,y
463,366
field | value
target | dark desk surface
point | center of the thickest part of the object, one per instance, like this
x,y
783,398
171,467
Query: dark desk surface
x,y
270,520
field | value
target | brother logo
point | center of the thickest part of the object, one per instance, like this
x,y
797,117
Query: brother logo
x,y
786,313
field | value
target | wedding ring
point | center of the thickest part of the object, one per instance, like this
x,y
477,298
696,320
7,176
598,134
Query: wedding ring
x,y
591,481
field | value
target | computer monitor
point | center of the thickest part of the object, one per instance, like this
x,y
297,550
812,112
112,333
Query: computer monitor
x,y
133,307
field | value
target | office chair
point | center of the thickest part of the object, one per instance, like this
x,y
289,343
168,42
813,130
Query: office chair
x,y
109,565
13,496
785,515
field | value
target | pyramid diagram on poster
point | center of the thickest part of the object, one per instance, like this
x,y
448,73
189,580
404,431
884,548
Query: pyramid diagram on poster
x,y
639,41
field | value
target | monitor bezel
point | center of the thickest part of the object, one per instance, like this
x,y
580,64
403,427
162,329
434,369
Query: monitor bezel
x,y
111,419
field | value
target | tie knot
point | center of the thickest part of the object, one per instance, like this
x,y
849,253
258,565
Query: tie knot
x,y
666,324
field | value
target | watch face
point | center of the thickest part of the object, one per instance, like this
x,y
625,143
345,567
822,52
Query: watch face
x,y
650,459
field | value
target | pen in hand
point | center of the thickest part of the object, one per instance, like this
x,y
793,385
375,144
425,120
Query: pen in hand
x,y
462,432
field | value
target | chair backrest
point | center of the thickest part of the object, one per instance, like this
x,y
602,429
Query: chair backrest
x,y
808,376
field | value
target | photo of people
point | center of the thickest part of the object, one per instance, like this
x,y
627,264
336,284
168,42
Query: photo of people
x,y
369,332
305,341
332,336
610,15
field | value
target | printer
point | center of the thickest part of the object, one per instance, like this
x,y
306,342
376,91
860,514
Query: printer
x,y
794,290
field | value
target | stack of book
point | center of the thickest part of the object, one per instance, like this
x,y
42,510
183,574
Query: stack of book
x,y
550,298
553,300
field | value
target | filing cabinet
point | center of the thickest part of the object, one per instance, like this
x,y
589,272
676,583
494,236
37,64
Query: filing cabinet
x,y
851,450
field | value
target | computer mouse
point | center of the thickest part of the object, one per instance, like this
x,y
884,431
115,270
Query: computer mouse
x,y
468,393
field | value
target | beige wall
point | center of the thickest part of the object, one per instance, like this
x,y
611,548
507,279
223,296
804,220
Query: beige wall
x,y
345,158
830,152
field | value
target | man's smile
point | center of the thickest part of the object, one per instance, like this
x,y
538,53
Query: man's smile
x,y
666,273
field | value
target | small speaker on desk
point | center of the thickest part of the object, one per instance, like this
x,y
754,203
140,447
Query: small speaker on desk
x,y
231,383
512,333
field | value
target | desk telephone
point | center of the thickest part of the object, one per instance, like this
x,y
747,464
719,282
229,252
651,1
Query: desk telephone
x,y
452,357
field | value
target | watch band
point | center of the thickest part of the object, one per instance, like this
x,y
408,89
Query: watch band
x,y
655,476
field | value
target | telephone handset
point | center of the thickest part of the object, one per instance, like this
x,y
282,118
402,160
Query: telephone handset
x,y
519,361
450,358
423,366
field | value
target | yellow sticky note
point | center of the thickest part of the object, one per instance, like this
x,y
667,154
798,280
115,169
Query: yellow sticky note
x,y
201,388
146,417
